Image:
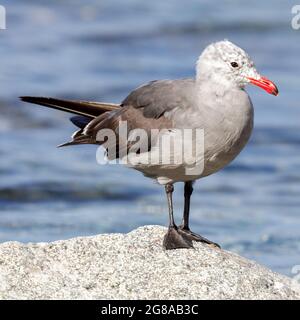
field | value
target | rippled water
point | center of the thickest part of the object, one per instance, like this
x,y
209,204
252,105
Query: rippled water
x,y
100,50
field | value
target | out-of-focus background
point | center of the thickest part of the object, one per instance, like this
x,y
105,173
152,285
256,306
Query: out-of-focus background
x,y
100,50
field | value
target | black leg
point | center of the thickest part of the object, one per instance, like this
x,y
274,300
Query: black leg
x,y
184,227
174,239
188,190
169,191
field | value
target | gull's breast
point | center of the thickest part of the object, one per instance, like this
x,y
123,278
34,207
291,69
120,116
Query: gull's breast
x,y
228,133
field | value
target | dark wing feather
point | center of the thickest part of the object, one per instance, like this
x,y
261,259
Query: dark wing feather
x,y
83,108
86,111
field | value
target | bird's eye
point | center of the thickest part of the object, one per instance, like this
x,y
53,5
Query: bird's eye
x,y
234,64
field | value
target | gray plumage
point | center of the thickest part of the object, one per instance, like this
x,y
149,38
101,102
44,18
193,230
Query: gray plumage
x,y
160,96
214,102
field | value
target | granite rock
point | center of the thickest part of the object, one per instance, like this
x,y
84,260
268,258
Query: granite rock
x,y
133,266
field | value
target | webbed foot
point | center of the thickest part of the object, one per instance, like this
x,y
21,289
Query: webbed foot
x,y
196,237
176,239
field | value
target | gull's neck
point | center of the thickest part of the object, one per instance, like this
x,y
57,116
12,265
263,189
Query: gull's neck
x,y
215,84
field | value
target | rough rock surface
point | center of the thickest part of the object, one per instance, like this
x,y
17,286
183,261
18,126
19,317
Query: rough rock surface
x,y
133,266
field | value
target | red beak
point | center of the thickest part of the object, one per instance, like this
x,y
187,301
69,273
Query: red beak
x,y
265,84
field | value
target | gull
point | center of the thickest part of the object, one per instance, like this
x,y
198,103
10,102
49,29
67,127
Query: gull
x,y
214,101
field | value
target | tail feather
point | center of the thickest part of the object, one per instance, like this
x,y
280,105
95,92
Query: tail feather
x,y
84,108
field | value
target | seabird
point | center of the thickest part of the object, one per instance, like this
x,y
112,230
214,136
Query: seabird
x,y
214,101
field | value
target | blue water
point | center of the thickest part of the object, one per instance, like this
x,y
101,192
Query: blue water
x,y
100,50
